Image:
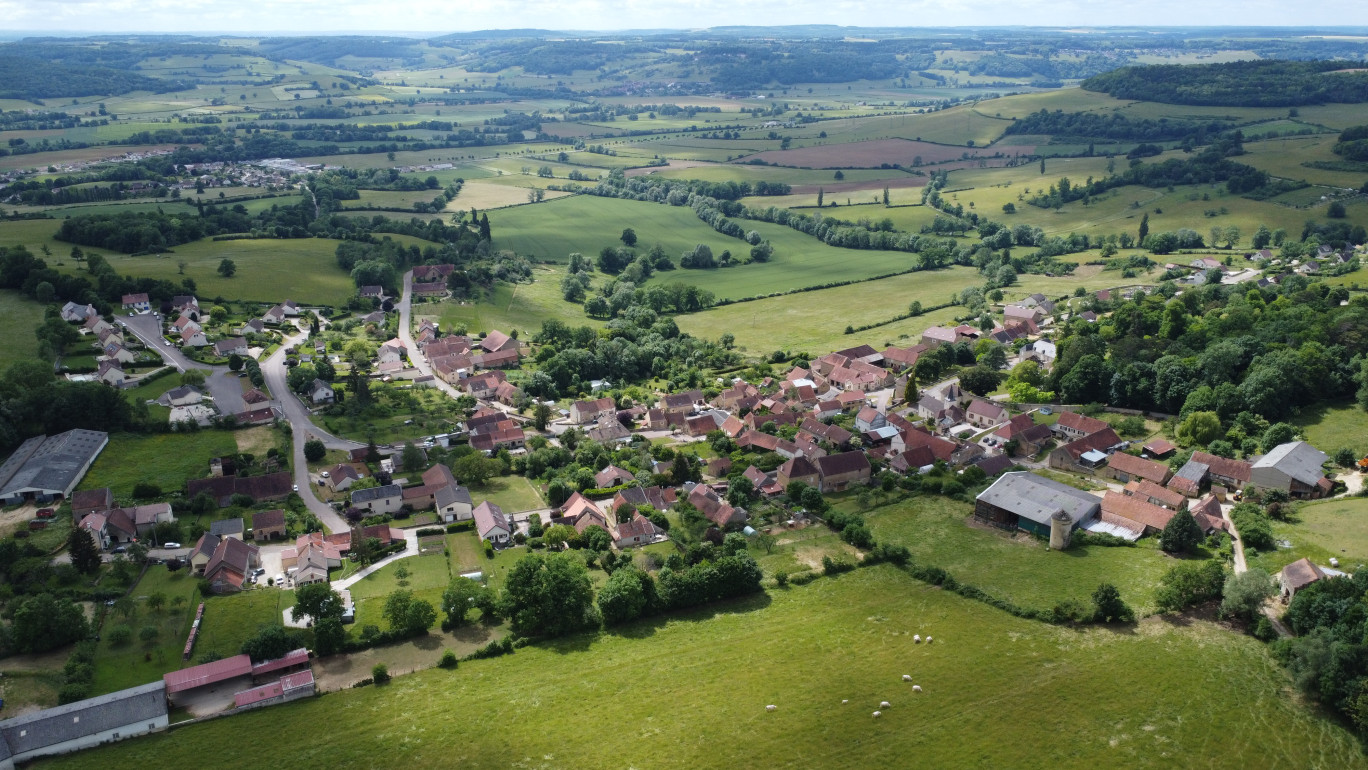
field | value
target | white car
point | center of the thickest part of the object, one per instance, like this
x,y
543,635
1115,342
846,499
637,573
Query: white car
x,y
324,474
296,487
171,545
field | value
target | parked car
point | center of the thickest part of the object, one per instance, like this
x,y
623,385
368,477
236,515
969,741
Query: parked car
x,y
171,545
120,549
324,474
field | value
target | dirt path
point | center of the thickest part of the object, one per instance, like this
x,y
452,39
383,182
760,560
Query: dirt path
x,y
1236,543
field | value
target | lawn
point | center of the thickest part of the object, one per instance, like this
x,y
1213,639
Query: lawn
x,y
167,459
231,620
1331,427
427,577
20,316
513,494
1137,697
1023,571
1320,530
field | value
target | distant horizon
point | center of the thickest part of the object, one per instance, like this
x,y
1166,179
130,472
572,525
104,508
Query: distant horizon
x,y
425,19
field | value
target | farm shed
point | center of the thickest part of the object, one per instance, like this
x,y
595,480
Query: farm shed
x,y
1023,500
85,723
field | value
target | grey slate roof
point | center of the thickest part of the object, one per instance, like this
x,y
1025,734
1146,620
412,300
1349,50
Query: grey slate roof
x,y
1193,471
51,463
225,527
376,493
41,729
1297,459
450,494
1037,498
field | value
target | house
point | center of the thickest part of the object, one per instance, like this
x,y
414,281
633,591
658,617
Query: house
x,y
1294,468
427,273
254,326
1015,313
268,525
1296,576
453,503
507,434
97,524
658,498
96,325
390,353
498,342
868,419
840,471
501,359
88,501
700,425
110,372
939,335
74,313
798,469
184,395
582,412
371,292
714,508
1023,429
1087,453
484,385
46,468
231,346
228,528
1207,512
1023,500
113,351
1151,492
1135,514
138,303
1232,474
321,392
1125,467
254,396
982,413
491,524
991,466
899,359
507,393
638,531
378,500
342,476
231,562
274,317
612,476
681,403
84,724
1072,425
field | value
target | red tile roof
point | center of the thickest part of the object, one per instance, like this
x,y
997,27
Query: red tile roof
x,y
207,674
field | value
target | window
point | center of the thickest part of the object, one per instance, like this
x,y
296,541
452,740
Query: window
x,y
75,719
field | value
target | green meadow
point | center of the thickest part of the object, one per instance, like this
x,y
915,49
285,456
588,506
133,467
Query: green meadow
x,y
997,691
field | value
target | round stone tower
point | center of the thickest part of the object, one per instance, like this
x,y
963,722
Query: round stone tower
x,y
1061,528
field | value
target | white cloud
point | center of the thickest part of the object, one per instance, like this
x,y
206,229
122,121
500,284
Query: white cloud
x,y
436,17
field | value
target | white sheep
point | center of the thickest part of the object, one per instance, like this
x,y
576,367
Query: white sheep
x,y
878,714
916,638
771,707
928,640
843,702
907,677
916,688
884,704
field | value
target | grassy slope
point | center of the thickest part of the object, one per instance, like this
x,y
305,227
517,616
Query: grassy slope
x,y
1332,426
1133,698
1337,528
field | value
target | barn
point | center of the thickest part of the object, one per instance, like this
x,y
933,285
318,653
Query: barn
x,y
1025,501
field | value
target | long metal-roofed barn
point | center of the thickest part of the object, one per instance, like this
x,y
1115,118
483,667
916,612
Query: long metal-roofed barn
x,y
46,468
1023,500
80,725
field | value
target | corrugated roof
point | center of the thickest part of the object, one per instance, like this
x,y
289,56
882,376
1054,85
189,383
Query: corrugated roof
x,y
1037,498
207,674
51,463
1297,459
297,657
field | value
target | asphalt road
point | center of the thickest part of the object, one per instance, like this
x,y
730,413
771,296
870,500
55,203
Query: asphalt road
x,y
303,429
223,385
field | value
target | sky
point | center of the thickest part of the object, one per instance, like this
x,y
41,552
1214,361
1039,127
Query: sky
x,y
302,17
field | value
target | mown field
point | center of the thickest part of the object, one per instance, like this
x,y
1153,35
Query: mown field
x,y
20,316
167,459
1158,694
1321,530
522,306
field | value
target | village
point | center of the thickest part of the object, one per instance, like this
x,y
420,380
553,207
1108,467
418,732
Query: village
x,y
852,419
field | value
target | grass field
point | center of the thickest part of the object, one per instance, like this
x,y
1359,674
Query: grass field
x,y
1318,531
1024,572
20,316
520,306
1139,697
1332,426
586,224
136,662
167,459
